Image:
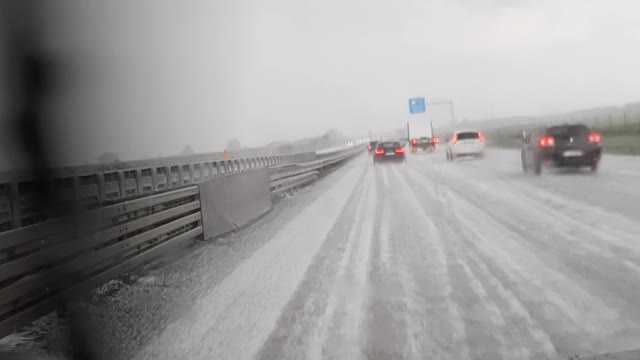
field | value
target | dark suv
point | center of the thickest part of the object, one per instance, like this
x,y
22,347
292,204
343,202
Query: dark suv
x,y
571,146
389,151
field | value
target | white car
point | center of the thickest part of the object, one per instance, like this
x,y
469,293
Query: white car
x,y
466,143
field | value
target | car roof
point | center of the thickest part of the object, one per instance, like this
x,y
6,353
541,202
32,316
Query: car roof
x,y
560,126
463,131
389,142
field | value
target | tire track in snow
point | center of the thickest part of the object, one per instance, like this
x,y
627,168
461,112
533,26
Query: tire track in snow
x,y
301,321
481,319
514,334
426,273
573,315
236,317
343,333
589,256
391,334
317,345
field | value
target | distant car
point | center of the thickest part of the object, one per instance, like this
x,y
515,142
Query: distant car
x,y
372,146
465,143
389,151
572,146
423,144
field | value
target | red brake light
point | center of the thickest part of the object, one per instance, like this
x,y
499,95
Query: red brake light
x,y
595,137
399,150
369,147
414,141
436,140
482,138
547,141
455,139
379,152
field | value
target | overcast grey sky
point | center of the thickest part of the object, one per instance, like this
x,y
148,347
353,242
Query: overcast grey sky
x,y
156,75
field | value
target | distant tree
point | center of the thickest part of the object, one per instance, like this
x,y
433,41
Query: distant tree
x,y
234,144
188,150
108,157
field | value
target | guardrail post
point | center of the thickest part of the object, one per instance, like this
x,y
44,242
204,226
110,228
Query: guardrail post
x,y
154,178
192,172
14,200
101,185
139,184
183,172
180,175
121,182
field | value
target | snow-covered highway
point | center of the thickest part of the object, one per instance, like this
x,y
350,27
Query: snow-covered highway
x,y
424,260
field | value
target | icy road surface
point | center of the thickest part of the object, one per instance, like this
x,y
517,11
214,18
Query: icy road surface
x,y
424,260
470,260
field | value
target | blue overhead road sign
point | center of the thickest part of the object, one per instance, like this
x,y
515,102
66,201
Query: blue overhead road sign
x,y
417,106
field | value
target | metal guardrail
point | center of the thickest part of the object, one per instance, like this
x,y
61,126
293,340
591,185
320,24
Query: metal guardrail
x,y
92,187
288,177
292,182
98,185
43,264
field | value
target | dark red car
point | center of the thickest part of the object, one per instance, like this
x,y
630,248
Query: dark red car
x,y
389,151
568,146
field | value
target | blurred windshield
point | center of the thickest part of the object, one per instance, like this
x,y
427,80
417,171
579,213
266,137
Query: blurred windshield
x,y
269,179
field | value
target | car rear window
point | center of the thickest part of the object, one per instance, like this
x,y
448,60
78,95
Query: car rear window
x,y
373,143
389,145
568,131
468,135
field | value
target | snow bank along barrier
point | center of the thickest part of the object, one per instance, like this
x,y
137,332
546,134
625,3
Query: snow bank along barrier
x,y
126,214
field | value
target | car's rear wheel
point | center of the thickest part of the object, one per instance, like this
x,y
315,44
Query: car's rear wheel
x,y
524,162
537,167
594,167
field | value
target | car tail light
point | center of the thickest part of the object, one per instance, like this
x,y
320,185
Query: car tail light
x,y
454,140
400,150
436,140
369,147
547,141
595,138
482,138
414,141
379,152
